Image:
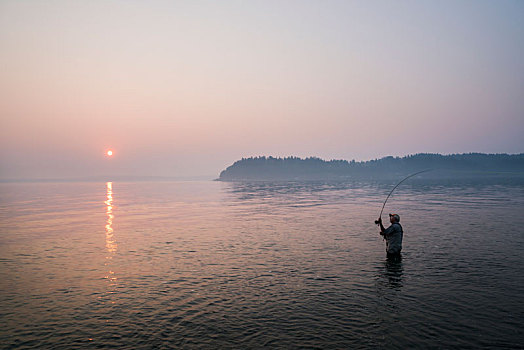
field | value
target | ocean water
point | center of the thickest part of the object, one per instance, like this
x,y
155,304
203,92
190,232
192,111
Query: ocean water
x,y
212,265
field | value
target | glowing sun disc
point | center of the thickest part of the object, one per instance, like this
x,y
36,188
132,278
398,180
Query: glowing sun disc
x,y
109,153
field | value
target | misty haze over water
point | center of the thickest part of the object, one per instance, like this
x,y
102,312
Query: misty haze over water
x,y
116,117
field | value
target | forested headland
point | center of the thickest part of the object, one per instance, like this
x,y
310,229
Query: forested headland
x,y
312,168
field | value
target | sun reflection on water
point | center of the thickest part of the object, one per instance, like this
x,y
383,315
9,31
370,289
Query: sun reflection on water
x,y
111,245
110,240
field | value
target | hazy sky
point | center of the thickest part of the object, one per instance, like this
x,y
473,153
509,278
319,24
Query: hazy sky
x,y
180,88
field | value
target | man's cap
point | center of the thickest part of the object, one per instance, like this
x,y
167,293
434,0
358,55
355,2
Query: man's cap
x,y
396,216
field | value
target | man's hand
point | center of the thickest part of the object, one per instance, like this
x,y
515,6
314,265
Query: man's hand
x,y
379,222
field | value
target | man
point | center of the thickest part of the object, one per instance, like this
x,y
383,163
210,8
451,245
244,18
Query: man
x,y
393,236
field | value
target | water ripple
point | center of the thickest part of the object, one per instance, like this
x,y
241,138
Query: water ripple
x,y
293,265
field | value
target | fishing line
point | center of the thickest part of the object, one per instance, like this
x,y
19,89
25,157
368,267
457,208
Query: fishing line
x,y
420,172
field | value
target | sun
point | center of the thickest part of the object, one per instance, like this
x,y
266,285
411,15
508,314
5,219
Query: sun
x,y
109,153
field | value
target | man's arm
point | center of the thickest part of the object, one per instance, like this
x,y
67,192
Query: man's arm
x,y
390,230
382,229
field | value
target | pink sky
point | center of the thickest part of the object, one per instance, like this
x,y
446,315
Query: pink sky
x,y
185,88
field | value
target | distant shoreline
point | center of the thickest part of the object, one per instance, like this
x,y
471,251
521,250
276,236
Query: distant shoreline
x,y
294,168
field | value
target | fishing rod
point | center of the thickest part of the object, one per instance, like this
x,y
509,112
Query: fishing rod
x,y
380,216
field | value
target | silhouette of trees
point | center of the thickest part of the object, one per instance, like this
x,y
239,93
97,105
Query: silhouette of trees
x,y
291,168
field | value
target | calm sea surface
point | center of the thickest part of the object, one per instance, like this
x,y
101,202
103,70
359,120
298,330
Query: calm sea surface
x,y
143,265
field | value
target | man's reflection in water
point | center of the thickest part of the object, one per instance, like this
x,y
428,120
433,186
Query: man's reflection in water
x,y
393,272
389,276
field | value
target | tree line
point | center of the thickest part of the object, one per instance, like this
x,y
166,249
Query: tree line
x,y
289,168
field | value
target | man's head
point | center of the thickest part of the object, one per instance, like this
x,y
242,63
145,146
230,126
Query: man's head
x,y
394,218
